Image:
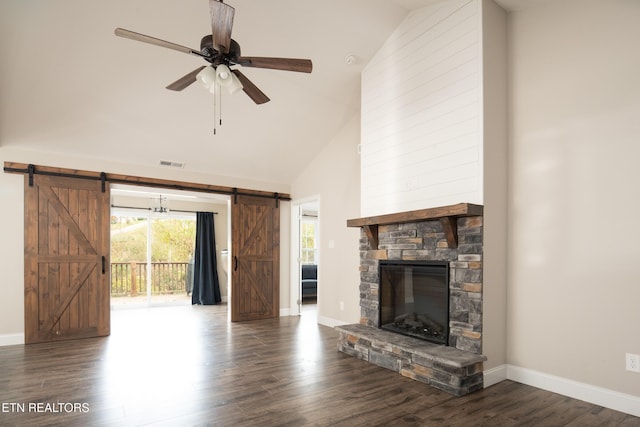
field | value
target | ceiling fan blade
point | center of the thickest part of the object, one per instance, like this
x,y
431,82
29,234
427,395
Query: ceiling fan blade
x,y
185,80
286,64
221,25
250,89
121,32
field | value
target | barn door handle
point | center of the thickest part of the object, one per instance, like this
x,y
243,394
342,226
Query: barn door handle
x,y
235,263
104,264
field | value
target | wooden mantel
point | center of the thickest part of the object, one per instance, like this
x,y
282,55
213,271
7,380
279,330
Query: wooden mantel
x,y
448,216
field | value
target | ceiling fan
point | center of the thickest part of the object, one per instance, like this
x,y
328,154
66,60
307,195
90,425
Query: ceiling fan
x,y
222,53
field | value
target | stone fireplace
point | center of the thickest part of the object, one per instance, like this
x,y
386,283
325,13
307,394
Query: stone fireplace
x,y
449,235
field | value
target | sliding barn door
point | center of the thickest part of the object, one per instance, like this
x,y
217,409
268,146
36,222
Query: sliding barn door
x,y
66,259
255,280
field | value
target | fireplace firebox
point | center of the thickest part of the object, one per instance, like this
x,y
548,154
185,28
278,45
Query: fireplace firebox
x,y
414,299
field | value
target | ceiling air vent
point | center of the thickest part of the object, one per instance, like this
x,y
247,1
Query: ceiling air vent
x,y
171,164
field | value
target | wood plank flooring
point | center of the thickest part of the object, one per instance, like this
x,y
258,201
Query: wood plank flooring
x,y
188,366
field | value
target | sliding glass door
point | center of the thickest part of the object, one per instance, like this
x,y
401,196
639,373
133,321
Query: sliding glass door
x,y
151,258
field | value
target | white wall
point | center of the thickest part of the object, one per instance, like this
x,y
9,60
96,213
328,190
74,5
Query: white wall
x,y
574,287
285,257
11,259
334,176
494,274
421,113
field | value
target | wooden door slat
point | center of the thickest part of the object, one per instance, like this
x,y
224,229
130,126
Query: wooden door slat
x,y
66,236
255,248
56,204
64,300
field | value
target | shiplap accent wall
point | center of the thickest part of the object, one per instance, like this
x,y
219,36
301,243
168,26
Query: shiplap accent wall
x,y
421,140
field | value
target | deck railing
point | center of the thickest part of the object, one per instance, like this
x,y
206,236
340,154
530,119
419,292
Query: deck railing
x,y
130,278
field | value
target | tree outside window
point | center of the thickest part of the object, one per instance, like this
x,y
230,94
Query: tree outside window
x,y
308,238
172,242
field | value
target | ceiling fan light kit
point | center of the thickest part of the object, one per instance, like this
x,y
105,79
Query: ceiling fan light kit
x,y
222,53
207,77
228,80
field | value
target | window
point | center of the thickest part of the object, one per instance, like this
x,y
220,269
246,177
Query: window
x,y
308,239
166,267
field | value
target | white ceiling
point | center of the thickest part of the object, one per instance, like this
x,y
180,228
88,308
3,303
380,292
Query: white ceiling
x,y
69,85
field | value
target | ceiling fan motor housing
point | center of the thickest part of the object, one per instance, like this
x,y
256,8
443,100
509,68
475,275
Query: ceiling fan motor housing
x,y
214,57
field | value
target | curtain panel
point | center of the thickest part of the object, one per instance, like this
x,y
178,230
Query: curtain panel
x,y
206,286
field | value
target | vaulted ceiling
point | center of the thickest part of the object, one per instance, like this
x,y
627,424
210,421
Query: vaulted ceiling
x,y
69,85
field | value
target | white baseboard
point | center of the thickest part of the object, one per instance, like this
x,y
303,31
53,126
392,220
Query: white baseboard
x,y
284,312
11,339
622,402
495,375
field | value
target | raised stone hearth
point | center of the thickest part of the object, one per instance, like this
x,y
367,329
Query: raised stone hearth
x,y
450,233
455,371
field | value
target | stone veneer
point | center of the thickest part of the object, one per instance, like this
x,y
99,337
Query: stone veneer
x,y
456,369
446,368
425,241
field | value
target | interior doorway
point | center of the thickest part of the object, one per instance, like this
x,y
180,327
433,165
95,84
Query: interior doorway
x,y
67,246
152,244
305,286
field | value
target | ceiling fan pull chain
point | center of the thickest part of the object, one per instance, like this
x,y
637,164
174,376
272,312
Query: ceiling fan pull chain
x,y
215,111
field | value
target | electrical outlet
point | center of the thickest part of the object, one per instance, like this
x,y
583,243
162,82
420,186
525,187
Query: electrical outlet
x,y
633,362
341,305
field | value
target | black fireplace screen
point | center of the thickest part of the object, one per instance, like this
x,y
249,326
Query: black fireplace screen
x,y
414,299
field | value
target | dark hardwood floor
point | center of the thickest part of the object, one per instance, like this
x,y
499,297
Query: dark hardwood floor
x,y
184,365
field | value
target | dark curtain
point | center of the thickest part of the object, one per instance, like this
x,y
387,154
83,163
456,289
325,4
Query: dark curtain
x,y
206,287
